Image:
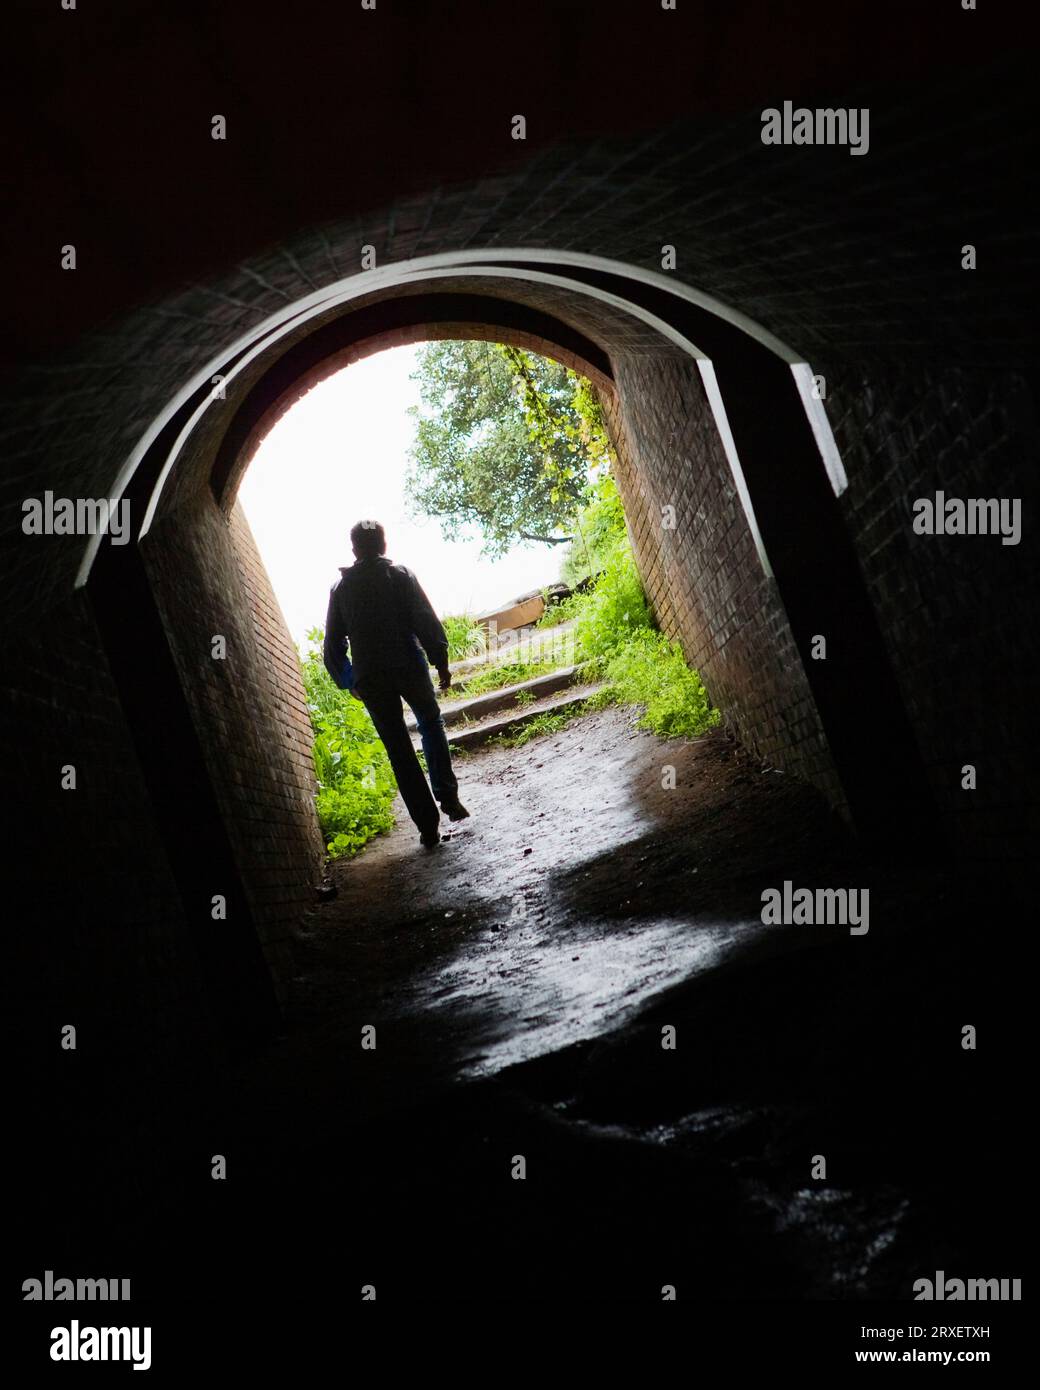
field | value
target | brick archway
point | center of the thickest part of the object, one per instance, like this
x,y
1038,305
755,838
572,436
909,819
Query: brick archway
x,y
380,326
597,315
745,608
927,388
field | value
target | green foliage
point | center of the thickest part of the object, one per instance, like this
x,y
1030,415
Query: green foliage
x,y
650,670
466,637
502,673
539,725
615,632
615,607
504,442
616,604
355,783
557,613
601,535
562,414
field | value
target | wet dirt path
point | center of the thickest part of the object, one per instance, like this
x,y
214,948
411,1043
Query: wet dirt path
x,y
580,887
519,979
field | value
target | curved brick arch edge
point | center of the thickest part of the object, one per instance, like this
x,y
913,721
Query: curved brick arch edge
x,y
820,587
393,274
382,327
197,573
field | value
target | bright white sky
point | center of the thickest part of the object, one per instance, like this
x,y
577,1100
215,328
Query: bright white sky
x,y
338,456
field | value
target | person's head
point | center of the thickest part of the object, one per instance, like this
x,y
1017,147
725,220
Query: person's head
x,y
368,539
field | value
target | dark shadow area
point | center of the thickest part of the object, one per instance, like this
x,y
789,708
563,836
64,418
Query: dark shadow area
x,y
645,1166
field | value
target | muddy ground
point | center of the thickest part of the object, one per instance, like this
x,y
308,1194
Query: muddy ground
x,y
519,978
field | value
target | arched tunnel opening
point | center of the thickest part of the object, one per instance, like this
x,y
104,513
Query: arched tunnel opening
x,y
734,1017
675,438
628,895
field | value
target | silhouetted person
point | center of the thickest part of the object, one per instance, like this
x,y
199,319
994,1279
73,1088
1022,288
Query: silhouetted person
x,y
380,609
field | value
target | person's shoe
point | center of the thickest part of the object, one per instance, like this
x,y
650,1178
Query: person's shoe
x,y
430,839
454,809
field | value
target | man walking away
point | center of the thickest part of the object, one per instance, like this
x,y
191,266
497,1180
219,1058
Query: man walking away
x,y
380,609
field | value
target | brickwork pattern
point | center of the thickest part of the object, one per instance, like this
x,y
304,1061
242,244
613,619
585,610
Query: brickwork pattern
x,y
844,262
955,610
248,708
704,578
855,263
97,898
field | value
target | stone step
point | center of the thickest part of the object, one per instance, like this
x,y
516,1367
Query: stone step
x,y
475,737
480,706
528,642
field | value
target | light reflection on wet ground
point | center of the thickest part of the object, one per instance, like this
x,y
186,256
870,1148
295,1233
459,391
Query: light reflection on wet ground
x,y
521,974
536,992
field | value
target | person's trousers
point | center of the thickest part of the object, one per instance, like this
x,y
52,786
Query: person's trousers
x,y
382,693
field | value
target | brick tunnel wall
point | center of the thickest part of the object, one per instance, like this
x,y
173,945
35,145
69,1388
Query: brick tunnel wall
x,y
249,708
704,578
98,898
955,611
854,262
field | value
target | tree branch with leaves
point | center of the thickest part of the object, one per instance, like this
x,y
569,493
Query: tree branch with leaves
x,y
505,442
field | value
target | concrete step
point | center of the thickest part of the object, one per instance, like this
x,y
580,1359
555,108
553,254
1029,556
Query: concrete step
x,y
470,738
531,643
480,706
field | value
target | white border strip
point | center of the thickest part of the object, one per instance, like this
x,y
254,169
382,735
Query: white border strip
x,y
470,272
718,408
423,267
821,426
536,277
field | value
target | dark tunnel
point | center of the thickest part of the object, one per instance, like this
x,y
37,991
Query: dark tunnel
x,y
791,350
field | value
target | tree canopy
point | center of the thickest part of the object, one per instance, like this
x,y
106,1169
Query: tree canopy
x,y
505,441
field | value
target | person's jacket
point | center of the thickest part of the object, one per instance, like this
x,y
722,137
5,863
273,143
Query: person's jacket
x,y
381,610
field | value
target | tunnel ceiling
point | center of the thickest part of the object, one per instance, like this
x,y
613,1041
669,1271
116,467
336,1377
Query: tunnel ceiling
x,y
582,331
848,270
576,326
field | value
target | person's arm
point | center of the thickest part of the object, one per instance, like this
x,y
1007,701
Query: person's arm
x,y
334,648
429,630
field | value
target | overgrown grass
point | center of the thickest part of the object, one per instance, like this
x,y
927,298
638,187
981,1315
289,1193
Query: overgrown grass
x,y
355,782
466,637
600,525
539,725
555,612
501,674
615,633
649,670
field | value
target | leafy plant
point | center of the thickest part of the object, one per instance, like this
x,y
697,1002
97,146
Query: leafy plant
x,y
466,637
615,606
650,670
600,527
615,631
510,672
539,725
355,782
505,441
